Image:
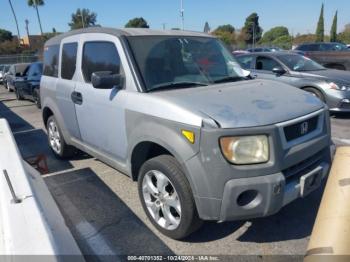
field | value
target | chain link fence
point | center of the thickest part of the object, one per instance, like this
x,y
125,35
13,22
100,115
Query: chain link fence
x,y
18,58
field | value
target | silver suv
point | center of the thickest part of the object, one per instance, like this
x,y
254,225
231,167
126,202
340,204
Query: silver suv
x,y
175,112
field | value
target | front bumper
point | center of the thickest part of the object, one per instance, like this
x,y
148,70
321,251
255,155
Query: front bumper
x,y
338,101
218,185
263,196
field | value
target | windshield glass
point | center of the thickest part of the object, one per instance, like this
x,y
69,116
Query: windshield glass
x,y
169,62
300,63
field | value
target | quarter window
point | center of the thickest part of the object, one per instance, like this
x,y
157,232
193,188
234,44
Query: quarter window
x,y
99,56
69,57
245,61
51,54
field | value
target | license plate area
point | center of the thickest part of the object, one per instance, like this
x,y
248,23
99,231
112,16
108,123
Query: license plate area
x,y
310,181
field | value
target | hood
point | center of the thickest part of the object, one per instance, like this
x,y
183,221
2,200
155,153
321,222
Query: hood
x,y
245,103
329,74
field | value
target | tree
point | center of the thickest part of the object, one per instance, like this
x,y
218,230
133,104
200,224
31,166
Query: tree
x,y
334,28
139,22
206,28
14,16
35,4
83,18
5,35
226,33
306,38
274,33
284,42
251,29
345,35
320,27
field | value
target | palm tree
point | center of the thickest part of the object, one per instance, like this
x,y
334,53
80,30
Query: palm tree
x,y
14,15
35,4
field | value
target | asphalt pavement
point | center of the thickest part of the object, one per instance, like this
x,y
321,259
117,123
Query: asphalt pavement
x,y
103,211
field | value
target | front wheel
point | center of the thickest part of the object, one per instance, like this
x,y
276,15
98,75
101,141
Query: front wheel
x,y
167,198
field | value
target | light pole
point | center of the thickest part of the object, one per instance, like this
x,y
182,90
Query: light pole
x,y
82,18
182,14
254,35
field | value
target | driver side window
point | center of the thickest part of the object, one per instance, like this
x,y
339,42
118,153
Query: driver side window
x,y
265,63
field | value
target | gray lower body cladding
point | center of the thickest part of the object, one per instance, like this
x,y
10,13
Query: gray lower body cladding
x,y
228,192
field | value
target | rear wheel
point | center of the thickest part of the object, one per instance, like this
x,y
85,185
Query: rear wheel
x,y
167,198
316,93
56,140
36,98
18,94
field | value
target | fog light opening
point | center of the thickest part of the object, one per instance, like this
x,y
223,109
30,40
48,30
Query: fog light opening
x,y
249,199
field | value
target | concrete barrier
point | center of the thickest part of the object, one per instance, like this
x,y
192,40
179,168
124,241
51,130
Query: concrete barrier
x,y
330,238
30,221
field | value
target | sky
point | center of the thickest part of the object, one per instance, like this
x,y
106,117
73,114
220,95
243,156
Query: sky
x,y
299,16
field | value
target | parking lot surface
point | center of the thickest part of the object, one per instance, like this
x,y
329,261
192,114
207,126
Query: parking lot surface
x,y
103,212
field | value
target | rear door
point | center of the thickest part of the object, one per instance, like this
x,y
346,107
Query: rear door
x,y
67,82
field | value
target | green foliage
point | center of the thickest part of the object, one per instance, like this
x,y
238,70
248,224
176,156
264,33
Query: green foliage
x,y
33,3
284,42
306,38
138,22
226,33
83,16
5,35
9,47
274,33
345,35
251,28
320,27
333,36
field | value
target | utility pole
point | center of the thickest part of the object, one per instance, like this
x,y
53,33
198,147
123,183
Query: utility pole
x,y
27,29
182,15
82,17
37,13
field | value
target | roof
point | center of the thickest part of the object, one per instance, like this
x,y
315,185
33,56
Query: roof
x,y
124,32
275,53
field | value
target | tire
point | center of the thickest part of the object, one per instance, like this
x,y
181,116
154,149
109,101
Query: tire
x,y
36,98
316,93
18,95
8,87
182,211
56,141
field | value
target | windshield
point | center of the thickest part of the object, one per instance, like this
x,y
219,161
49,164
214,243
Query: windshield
x,y
169,62
300,63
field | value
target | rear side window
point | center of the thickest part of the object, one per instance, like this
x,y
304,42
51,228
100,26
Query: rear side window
x,y
51,54
245,61
99,56
265,63
69,57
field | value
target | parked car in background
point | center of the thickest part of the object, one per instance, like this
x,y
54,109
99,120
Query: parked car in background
x,y
330,55
28,86
175,111
3,70
329,85
263,49
15,71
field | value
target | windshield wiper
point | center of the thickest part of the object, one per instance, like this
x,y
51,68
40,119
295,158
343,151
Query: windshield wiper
x,y
229,79
175,85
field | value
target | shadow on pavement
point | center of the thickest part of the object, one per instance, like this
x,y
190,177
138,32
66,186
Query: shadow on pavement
x,y
341,115
100,221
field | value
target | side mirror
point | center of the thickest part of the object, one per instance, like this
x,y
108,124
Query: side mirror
x,y
18,75
106,80
278,71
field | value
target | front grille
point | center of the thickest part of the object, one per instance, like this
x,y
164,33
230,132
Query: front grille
x,y
345,105
303,167
300,129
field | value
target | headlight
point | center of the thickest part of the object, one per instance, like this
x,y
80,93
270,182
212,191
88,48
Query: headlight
x,y
242,150
340,87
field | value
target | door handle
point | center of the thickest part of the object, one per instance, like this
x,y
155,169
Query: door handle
x,y
77,98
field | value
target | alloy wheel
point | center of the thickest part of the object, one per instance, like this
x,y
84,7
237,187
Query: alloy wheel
x,y
161,199
54,137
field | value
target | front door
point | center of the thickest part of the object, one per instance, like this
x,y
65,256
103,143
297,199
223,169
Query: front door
x,y
100,112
